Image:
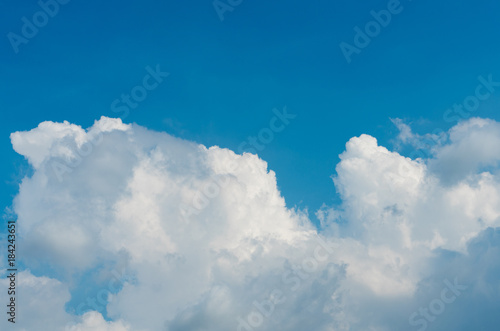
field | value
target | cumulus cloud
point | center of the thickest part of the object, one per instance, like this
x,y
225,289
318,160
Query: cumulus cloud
x,y
132,229
94,321
36,298
473,148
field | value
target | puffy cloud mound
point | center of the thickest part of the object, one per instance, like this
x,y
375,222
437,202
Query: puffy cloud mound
x,y
94,321
131,229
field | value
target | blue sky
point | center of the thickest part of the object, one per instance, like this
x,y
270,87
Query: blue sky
x,y
227,76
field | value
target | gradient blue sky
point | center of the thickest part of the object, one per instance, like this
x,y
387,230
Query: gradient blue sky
x,y
227,76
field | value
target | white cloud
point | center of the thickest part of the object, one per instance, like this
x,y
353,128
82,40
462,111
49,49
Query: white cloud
x,y
125,202
474,147
94,321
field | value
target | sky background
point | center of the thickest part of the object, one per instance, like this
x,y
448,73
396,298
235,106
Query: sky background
x,y
226,76
396,236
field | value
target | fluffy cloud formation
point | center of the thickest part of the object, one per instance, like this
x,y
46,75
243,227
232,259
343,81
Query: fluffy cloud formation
x,y
130,229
